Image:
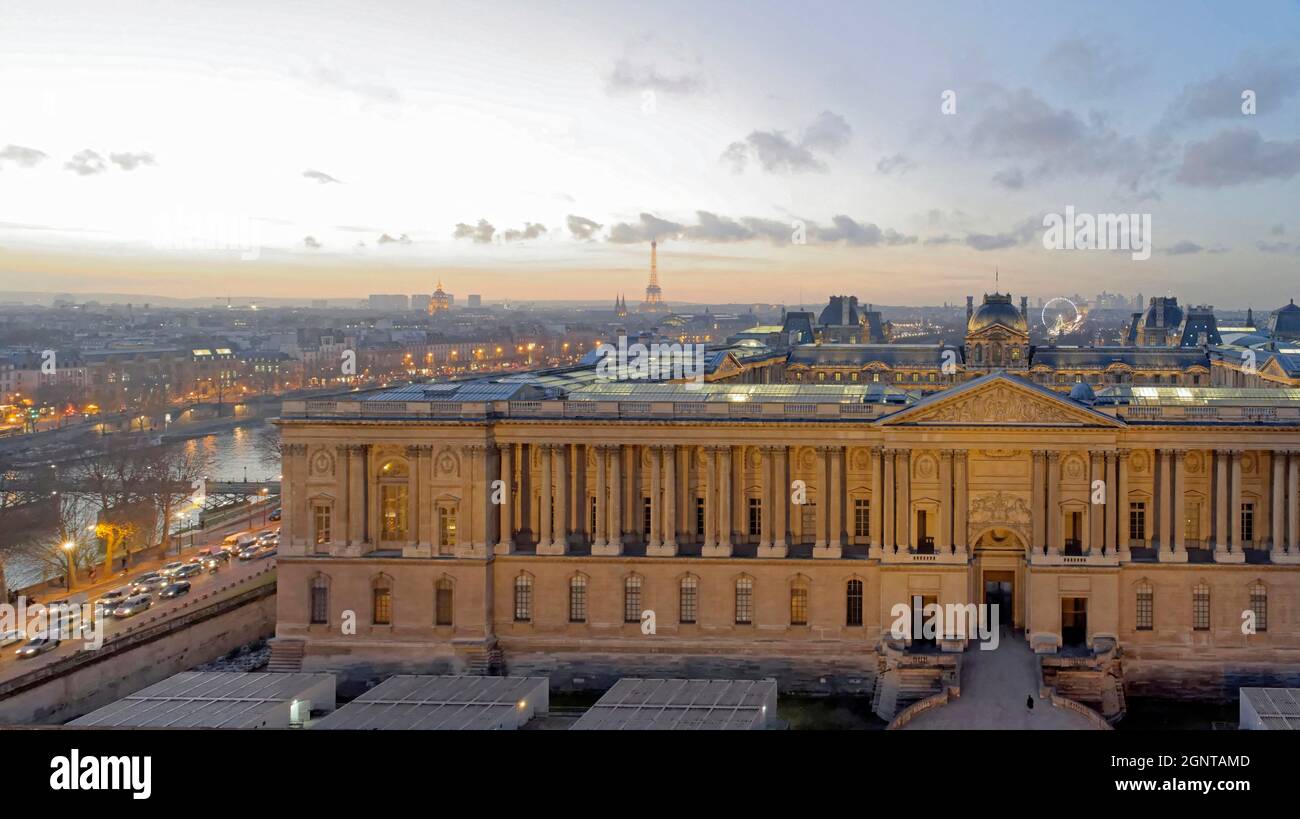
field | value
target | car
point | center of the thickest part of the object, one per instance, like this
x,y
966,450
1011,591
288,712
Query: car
x,y
216,559
113,598
188,570
37,645
8,638
175,590
267,537
170,568
250,553
275,515
133,605
149,584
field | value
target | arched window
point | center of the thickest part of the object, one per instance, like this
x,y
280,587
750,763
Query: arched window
x,y
688,599
1259,605
632,599
744,601
381,602
523,599
853,603
799,604
442,602
320,600
1201,607
1145,619
578,599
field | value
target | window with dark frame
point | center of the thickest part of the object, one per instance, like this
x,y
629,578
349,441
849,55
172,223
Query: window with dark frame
x,y
321,512
632,599
1201,607
744,601
1137,521
442,603
647,515
1259,605
699,516
688,599
861,517
1145,608
755,516
320,600
853,603
798,605
578,599
381,613
1248,523
523,599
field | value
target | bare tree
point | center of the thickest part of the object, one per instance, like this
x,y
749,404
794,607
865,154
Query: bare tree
x,y
174,469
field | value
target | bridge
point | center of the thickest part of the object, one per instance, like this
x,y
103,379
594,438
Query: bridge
x,y
221,494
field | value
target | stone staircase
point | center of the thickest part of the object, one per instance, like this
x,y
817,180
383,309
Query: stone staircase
x,y
485,661
1096,681
903,680
286,655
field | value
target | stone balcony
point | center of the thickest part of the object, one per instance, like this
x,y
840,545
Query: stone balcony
x,y
1090,558
913,556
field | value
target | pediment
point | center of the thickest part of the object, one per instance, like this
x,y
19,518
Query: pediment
x,y
999,400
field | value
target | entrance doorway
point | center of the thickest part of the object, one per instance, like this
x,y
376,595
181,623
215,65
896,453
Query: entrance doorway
x,y
1074,622
999,590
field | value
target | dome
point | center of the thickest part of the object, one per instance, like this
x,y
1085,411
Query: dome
x,y
996,309
1082,393
1285,322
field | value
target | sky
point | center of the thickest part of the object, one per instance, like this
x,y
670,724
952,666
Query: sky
x,y
778,152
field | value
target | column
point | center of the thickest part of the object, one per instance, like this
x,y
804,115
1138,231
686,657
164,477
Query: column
x,y
835,515
766,494
823,500
1293,507
946,487
904,520
830,516
562,478
469,493
1053,503
1234,504
710,500
780,502
1039,489
506,545
357,494
546,506
1122,505
614,537
877,505
1096,511
669,546
1220,500
340,524
889,543
1112,509
656,506
1163,534
1278,505
599,544
724,500
1178,509
961,502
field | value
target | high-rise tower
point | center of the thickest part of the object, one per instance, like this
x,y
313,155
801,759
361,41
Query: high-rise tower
x,y
654,296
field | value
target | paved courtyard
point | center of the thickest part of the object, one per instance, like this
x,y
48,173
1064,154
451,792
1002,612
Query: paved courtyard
x,y
994,686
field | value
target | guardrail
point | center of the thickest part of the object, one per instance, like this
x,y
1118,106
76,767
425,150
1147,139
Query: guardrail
x,y
919,707
438,410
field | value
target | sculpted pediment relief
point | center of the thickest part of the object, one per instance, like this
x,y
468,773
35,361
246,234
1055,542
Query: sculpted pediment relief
x,y
1000,401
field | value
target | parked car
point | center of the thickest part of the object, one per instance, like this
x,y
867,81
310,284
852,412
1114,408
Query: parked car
x,y
175,590
8,638
133,605
188,570
37,645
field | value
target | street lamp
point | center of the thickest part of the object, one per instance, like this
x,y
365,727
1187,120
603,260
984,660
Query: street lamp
x,y
68,546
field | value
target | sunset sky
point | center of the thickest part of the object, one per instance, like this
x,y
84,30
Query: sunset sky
x,y
530,150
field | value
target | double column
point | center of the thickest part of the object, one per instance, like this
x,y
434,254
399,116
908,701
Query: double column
x,y
775,502
553,509
663,501
717,503
830,517
608,538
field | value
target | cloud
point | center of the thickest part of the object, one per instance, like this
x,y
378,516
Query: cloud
x,y
895,164
646,228
385,239
22,157
129,162
713,228
1184,248
320,176
1010,178
86,163
531,230
581,227
1277,247
1277,230
627,77
481,234
945,239
311,242
331,76
777,153
1237,156
1274,78
1018,235
1087,67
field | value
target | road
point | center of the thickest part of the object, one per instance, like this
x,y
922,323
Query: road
x,y
235,571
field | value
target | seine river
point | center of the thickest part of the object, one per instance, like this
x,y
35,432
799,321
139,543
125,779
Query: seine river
x,y
235,457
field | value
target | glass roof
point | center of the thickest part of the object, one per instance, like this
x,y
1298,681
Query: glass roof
x,y
1199,396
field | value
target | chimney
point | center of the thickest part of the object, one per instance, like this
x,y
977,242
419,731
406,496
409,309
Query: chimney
x,y
1024,307
970,307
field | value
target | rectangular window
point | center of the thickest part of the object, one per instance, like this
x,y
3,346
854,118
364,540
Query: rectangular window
x,y
578,600
442,605
319,605
755,516
1259,605
393,500
699,516
321,513
861,517
632,600
446,529
382,607
798,606
1201,608
646,516
523,600
744,601
1145,610
853,599
1137,521
593,517
688,600
1248,523
1192,522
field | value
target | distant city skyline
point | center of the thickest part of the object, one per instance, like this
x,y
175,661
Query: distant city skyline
x,y
533,155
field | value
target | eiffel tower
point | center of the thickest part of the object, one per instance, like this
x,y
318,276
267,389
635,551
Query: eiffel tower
x,y
654,296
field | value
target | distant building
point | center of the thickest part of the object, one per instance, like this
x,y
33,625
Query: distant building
x,y
440,302
475,300
389,301
420,302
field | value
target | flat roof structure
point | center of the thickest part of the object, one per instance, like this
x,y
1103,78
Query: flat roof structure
x,y
411,702
218,699
683,705
1270,709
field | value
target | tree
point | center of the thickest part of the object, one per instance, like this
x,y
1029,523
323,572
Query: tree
x,y
174,469
113,478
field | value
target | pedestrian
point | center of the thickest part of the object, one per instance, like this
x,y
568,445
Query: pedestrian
x,y
1029,702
